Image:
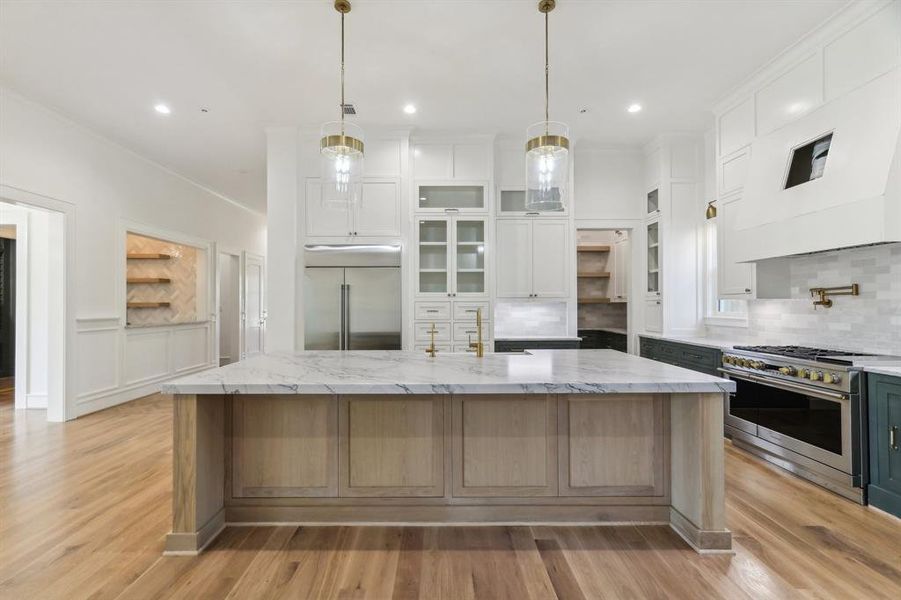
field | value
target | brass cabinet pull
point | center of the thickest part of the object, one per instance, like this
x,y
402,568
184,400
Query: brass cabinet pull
x,y
893,438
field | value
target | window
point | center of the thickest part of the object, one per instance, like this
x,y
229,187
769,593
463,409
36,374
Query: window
x,y
719,311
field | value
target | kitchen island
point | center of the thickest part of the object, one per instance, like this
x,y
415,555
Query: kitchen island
x,y
548,436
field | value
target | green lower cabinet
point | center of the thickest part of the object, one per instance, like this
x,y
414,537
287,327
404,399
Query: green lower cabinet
x,y
884,396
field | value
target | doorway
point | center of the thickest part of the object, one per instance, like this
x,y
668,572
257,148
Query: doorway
x,y
604,275
7,313
35,314
254,312
228,317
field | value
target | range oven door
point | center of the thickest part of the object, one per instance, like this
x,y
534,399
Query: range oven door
x,y
814,423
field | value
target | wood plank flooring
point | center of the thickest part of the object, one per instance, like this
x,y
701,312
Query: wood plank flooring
x,y
84,508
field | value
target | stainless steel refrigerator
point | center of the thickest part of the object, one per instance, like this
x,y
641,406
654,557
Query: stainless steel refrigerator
x,y
352,297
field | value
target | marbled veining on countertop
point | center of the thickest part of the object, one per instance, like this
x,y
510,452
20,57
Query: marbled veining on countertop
x,y
396,372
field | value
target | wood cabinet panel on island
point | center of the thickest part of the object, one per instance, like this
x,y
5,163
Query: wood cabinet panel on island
x,y
391,446
285,448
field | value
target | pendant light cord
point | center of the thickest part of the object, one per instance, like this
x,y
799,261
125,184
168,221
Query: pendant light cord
x,y
342,74
547,87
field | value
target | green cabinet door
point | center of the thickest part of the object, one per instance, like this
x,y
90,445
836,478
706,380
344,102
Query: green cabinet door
x,y
884,490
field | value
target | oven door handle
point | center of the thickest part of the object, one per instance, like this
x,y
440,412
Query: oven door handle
x,y
772,382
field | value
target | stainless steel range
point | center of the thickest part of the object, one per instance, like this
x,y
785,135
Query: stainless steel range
x,y
803,409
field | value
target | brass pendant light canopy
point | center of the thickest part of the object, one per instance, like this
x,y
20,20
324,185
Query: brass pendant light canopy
x,y
547,148
341,148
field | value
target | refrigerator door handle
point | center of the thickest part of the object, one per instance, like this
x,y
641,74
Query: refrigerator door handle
x,y
341,310
346,316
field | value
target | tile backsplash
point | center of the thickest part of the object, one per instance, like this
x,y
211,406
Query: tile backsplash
x,y
869,322
514,319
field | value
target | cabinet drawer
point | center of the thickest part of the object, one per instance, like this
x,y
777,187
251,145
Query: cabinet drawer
x,y
421,332
464,331
460,348
438,311
438,347
466,311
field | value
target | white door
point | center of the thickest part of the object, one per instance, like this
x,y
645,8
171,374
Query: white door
x,y
324,221
514,258
378,213
622,261
734,278
254,313
549,252
227,315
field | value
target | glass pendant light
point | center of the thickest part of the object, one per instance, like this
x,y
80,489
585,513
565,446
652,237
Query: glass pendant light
x,y
341,149
547,148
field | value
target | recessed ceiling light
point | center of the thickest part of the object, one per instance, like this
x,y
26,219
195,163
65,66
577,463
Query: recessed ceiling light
x,y
162,109
634,108
409,109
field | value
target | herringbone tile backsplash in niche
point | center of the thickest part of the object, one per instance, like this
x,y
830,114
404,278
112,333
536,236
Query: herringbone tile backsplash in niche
x,y
180,292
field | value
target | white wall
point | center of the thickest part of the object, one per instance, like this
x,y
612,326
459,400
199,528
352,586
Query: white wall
x,y
43,153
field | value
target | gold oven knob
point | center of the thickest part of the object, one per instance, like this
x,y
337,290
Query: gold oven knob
x,y
832,378
815,375
787,370
803,373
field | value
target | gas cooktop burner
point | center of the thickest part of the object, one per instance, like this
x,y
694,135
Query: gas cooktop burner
x,y
803,352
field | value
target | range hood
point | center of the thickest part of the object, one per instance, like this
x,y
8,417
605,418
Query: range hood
x,y
852,196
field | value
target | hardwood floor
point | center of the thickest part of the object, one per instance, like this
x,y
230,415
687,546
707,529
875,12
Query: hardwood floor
x,y
7,390
84,508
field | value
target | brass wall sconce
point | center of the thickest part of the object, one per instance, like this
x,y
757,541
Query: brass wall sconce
x,y
711,210
822,294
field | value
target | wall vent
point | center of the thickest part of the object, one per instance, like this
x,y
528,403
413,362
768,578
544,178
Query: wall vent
x,y
348,109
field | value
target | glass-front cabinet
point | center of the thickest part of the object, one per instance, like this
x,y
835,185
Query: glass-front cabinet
x,y
512,201
451,199
654,258
451,256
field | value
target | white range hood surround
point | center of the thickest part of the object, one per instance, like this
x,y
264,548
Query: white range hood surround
x,y
856,202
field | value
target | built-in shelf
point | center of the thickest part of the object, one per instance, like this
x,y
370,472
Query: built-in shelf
x,y
147,304
433,243
470,270
433,270
653,270
594,300
595,274
653,245
148,280
148,256
593,248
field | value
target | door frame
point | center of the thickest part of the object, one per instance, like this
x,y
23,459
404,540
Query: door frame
x,y
245,258
635,227
219,249
62,365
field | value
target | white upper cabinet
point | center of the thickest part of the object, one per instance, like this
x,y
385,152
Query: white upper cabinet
x,y
549,251
443,162
433,161
736,127
791,95
472,161
734,279
451,199
324,221
734,171
532,258
514,258
377,214
383,158
510,167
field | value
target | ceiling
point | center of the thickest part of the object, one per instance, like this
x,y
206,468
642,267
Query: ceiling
x,y
467,65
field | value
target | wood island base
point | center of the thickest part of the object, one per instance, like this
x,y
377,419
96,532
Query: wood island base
x,y
586,459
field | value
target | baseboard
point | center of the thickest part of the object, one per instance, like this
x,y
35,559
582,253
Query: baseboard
x,y
115,397
191,544
703,541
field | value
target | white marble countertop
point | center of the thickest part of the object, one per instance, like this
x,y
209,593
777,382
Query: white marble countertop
x,y
520,338
396,372
893,370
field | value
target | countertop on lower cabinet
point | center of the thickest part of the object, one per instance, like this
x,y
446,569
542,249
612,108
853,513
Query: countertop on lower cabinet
x,y
397,372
